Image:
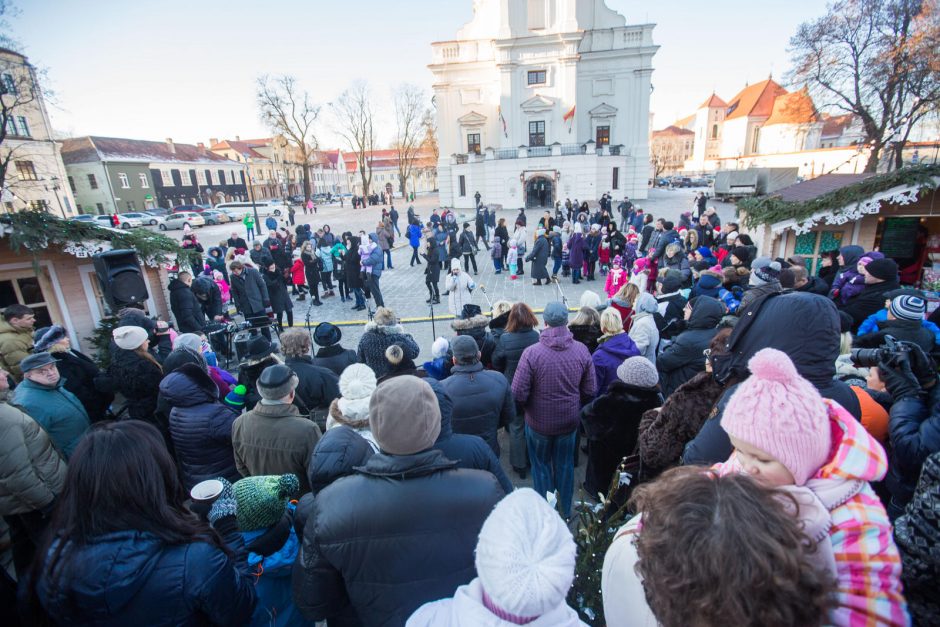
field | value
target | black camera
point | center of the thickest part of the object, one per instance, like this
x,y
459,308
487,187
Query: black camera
x,y
871,357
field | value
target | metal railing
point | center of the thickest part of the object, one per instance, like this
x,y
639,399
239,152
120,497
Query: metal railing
x,y
540,151
572,149
506,153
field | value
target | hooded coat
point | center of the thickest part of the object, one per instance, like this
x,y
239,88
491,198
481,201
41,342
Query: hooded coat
x,y
708,284
417,521
868,566
377,338
576,250
850,255
201,426
209,296
476,327
683,359
610,353
813,346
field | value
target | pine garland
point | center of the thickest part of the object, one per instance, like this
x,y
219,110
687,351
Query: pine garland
x,y
771,209
35,231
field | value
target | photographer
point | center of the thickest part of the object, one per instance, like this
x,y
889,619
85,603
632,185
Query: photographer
x,y
914,424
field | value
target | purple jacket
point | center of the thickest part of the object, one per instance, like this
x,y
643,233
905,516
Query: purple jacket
x,y
607,358
576,250
555,377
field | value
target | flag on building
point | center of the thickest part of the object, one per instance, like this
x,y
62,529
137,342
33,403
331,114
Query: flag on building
x,y
568,117
503,120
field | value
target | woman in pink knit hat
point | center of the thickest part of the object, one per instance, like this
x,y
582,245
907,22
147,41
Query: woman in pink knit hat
x,y
786,435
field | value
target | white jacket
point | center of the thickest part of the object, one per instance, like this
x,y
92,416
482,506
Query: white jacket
x,y
466,609
645,335
459,291
622,589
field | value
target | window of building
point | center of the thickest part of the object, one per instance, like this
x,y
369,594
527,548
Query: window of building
x,y
185,179
38,205
72,184
24,126
131,205
462,181
537,133
144,183
714,131
615,183
209,177
78,208
167,177
536,77
536,14
9,85
221,177
122,179
11,126
26,171
27,290
756,142
602,136
200,177
100,208
473,143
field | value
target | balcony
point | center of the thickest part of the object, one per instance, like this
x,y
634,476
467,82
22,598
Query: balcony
x,y
536,152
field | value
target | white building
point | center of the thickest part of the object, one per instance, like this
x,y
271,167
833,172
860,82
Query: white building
x,y
35,176
542,100
383,164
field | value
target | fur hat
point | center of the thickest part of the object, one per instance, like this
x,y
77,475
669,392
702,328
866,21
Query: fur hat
x,y
525,556
781,413
404,415
45,337
262,500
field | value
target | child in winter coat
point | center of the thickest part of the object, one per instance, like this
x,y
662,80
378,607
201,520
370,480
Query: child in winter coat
x,y
512,259
851,281
223,286
297,277
326,272
496,253
603,254
641,273
629,251
786,435
617,277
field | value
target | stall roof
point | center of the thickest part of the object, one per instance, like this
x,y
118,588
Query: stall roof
x,y
819,186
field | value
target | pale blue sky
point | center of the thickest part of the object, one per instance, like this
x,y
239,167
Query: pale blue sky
x,y
187,70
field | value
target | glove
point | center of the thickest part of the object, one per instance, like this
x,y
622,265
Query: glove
x,y
899,378
225,505
922,365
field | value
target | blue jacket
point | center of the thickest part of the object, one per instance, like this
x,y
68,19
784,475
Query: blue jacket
x,y
414,235
375,260
57,410
914,432
707,285
870,324
484,402
134,578
201,426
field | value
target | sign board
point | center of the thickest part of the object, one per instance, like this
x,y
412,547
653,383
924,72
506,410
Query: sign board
x,y
899,238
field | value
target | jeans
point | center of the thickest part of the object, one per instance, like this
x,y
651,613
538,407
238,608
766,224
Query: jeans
x,y
388,259
360,297
372,282
395,226
414,256
552,458
498,264
576,275
249,233
556,266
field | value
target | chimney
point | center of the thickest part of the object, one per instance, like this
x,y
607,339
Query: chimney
x,y
237,138
169,144
201,146
213,141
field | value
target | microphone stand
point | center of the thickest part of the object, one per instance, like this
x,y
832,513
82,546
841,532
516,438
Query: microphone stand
x,y
431,308
486,296
307,320
561,292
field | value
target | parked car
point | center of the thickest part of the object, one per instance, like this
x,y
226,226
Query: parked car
x,y
158,211
144,217
124,221
234,215
189,208
296,199
85,217
265,207
213,216
177,220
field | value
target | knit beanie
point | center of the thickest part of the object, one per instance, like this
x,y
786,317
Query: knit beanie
x,y
867,258
263,500
638,372
439,348
704,251
908,307
404,415
236,397
742,253
525,556
356,384
129,338
764,271
781,413
884,269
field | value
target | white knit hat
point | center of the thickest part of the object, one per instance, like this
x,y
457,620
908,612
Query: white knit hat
x,y
439,348
356,384
129,338
525,556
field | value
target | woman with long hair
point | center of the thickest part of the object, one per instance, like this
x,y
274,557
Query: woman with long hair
x,y
122,549
136,375
586,327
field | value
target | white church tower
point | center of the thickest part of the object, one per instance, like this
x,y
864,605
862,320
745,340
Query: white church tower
x,y
543,100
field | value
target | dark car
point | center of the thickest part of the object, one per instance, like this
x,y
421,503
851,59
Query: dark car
x,y
296,199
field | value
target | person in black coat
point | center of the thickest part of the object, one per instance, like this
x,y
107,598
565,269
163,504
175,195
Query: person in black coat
x,y
80,374
474,324
209,296
468,248
414,509
352,267
812,344
200,425
316,386
280,298
683,359
331,354
480,228
538,256
668,293
260,256
611,422
186,308
432,271
881,277
136,375
312,264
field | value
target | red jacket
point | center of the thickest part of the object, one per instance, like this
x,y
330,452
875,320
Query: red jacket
x,y
297,272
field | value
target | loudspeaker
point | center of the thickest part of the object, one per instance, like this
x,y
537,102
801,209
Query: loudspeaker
x,y
121,279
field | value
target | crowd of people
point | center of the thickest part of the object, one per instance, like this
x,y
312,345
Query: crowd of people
x,y
771,474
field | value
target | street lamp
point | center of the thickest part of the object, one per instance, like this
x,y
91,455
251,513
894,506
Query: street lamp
x,y
251,195
55,191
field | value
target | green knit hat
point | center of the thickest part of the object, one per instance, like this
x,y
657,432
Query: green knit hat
x,y
262,500
236,397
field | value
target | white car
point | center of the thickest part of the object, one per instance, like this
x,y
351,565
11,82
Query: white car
x,y
264,207
177,220
124,221
144,218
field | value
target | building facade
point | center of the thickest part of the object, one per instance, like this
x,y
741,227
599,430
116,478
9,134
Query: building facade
x,y
539,100
385,174
112,175
669,150
34,175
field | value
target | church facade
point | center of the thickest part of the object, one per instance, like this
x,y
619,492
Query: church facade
x,y
542,100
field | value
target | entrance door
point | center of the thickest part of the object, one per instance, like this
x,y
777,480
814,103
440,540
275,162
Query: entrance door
x,y
539,192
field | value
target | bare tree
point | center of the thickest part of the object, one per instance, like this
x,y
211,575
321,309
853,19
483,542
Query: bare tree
x,y
876,59
288,111
354,122
410,109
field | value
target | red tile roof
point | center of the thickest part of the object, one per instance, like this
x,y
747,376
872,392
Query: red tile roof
x,y
241,147
672,131
834,125
794,108
93,148
755,100
713,101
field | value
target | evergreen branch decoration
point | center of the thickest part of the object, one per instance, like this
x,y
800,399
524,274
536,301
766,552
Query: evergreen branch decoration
x,y
771,209
34,231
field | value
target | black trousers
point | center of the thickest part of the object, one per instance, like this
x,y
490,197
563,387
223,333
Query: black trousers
x,y
25,535
433,290
468,260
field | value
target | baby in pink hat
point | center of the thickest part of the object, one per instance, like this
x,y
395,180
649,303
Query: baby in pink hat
x,y
786,435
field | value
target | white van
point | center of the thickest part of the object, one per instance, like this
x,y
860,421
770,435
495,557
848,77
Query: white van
x,y
265,207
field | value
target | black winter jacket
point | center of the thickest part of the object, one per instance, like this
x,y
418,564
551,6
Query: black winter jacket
x,y
611,423
250,292
509,351
186,308
248,374
476,327
200,425
482,402
871,299
815,285
83,379
209,297
906,330
914,432
417,518
683,359
335,358
587,334
317,386
138,380
277,291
